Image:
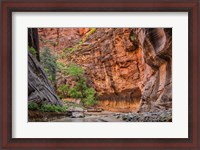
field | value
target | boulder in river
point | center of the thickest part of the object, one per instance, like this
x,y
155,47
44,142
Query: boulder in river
x,y
77,115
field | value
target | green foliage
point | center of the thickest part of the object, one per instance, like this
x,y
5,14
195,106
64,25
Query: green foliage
x,y
33,106
61,68
89,92
46,107
74,93
74,70
78,45
81,42
48,61
71,49
89,97
90,101
53,108
92,30
63,90
81,90
81,84
32,51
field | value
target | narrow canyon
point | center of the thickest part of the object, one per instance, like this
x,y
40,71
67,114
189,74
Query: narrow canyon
x,y
129,69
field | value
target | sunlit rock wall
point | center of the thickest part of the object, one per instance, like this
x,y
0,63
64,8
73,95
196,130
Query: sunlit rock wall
x,y
129,68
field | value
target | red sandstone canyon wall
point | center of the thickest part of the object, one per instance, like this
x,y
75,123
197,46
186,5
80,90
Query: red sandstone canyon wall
x,y
130,68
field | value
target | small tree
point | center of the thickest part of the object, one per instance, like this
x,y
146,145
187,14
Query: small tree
x,y
75,71
48,61
89,97
73,92
81,90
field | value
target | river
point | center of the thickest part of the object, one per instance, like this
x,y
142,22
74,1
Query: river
x,y
104,116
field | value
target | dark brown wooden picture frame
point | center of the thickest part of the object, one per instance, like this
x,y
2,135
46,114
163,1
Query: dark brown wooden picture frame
x,y
9,6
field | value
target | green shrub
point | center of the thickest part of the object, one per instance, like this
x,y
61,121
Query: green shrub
x,y
81,90
90,101
33,106
74,93
89,92
46,107
89,97
63,89
61,68
81,83
74,70
52,108
32,51
61,108
48,61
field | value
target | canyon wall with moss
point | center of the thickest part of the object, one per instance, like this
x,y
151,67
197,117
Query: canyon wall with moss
x,y
130,68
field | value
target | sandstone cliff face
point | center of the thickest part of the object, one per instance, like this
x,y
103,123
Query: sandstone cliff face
x,y
129,68
157,53
40,89
58,39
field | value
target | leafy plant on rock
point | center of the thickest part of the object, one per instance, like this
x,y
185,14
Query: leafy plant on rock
x,y
32,51
33,106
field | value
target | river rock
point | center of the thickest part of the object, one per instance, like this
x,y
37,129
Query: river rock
x,y
77,115
76,109
162,116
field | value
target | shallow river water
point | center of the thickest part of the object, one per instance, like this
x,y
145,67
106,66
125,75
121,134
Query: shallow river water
x,y
92,117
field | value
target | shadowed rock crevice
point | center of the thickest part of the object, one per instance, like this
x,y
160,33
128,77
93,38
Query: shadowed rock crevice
x,y
157,48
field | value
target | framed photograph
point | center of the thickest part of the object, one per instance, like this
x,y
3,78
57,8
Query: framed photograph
x,y
100,75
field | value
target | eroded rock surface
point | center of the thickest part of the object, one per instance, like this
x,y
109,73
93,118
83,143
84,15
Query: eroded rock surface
x,y
130,68
58,39
40,89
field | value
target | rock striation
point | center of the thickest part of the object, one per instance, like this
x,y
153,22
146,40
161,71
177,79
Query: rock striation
x,y
40,89
130,68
